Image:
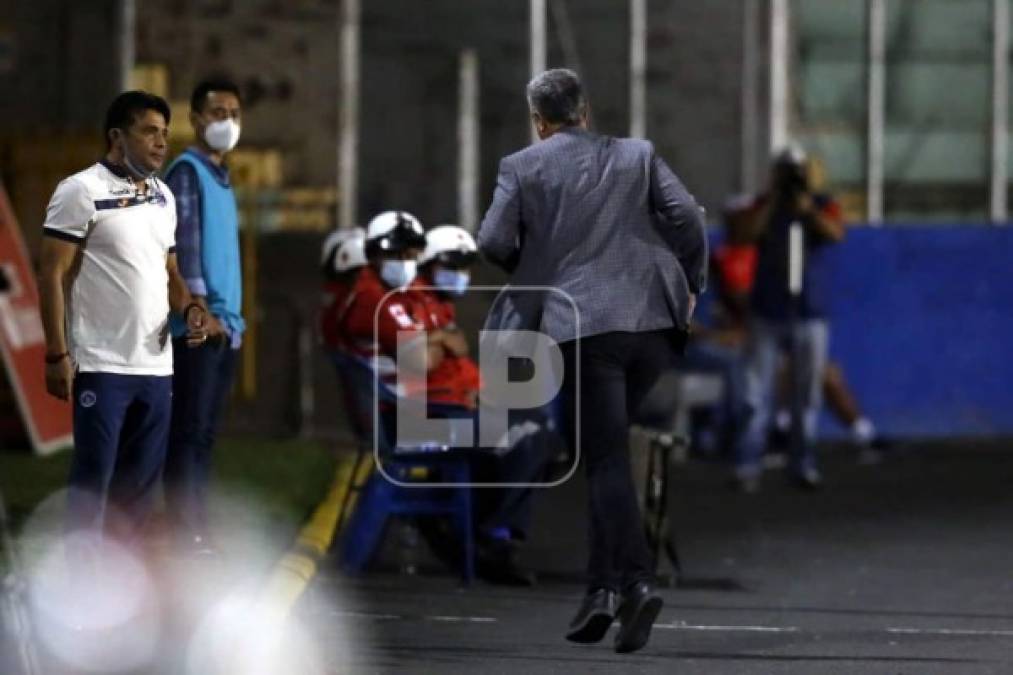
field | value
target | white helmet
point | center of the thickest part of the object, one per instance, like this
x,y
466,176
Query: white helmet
x,y
394,231
351,253
343,250
450,245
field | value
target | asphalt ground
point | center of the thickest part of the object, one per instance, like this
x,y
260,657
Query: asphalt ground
x,y
905,567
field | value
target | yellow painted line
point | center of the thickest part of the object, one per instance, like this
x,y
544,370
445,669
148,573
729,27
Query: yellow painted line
x,y
292,574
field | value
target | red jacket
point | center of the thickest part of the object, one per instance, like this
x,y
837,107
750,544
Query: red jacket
x,y
372,305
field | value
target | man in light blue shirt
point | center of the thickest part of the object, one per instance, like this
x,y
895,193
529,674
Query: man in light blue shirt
x,y
208,250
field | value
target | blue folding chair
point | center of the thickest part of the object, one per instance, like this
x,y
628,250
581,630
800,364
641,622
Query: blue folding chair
x,y
379,499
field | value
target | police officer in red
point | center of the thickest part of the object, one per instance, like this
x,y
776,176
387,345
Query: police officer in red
x,y
382,295
444,276
387,295
343,254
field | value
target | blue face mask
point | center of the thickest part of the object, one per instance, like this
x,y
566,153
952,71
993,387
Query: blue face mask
x,y
451,282
398,273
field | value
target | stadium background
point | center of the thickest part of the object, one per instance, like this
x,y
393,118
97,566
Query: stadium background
x,y
922,315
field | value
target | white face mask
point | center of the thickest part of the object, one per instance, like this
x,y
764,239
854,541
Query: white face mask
x,y
398,273
451,282
222,135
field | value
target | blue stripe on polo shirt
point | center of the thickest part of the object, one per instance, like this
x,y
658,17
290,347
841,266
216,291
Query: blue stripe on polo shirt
x,y
125,202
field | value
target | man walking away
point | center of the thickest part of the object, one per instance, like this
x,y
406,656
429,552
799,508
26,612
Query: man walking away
x,y
605,222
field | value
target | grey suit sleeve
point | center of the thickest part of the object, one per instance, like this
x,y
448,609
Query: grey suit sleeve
x,y
684,217
499,234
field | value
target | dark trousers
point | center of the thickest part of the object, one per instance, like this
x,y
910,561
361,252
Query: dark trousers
x,y
121,427
616,372
202,380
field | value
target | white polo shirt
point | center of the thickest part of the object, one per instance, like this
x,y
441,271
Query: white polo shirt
x,y
118,304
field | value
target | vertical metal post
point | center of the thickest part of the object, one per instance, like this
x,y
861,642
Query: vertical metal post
x,y
468,140
876,101
538,42
567,39
750,108
127,42
351,19
796,258
779,54
796,272
638,68
999,209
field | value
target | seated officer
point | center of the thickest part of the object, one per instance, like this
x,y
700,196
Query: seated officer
x,y
343,255
385,296
444,274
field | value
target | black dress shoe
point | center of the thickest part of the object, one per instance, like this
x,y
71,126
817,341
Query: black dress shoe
x,y
594,617
638,610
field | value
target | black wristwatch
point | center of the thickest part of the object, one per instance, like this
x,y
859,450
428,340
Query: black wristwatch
x,y
52,359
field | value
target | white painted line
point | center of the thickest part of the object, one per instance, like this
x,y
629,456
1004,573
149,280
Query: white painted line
x,y
400,617
950,631
681,625
368,615
462,619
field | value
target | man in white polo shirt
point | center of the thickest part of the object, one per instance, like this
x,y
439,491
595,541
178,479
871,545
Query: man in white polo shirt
x,y
108,280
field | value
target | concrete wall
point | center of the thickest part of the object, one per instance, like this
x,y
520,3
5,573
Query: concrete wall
x,y
285,55
694,93
63,67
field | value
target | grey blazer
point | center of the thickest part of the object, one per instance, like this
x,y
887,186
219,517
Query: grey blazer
x,y
605,223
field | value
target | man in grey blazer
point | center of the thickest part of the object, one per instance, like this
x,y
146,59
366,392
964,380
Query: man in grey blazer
x,y
606,224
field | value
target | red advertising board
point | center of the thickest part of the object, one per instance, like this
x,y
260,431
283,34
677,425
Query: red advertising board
x,y
22,342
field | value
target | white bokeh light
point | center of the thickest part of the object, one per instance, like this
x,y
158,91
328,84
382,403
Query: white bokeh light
x,y
100,607
94,606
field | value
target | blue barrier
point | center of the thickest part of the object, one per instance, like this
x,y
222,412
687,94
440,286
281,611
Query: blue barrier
x,y
922,323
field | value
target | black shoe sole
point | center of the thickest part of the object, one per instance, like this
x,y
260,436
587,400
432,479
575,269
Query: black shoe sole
x,y
593,630
634,634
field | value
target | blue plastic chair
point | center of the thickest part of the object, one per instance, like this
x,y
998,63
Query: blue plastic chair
x,y
380,499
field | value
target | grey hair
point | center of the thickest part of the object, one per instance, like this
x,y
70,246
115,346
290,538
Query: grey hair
x,y
557,96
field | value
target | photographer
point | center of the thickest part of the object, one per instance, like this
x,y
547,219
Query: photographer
x,y
768,221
